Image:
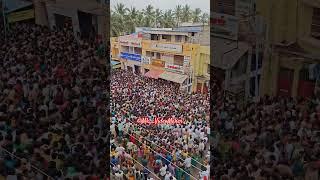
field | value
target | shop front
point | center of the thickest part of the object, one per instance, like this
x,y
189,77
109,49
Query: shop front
x,y
132,62
180,79
176,73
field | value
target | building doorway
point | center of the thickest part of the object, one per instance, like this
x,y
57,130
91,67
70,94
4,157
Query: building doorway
x,y
129,68
87,30
285,82
137,69
63,21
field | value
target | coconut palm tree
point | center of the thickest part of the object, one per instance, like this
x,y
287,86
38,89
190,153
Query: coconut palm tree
x,y
204,18
140,19
121,9
186,13
178,14
149,15
132,18
118,20
158,17
124,20
196,15
117,27
168,20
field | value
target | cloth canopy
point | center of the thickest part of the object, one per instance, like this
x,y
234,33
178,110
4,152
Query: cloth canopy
x,y
154,73
174,77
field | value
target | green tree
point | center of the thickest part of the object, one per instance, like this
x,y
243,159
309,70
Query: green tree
x,y
204,18
186,13
124,20
168,20
132,19
158,17
196,15
118,20
178,14
149,15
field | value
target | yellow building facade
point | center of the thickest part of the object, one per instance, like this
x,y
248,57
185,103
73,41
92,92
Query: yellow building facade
x,y
201,66
292,46
160,55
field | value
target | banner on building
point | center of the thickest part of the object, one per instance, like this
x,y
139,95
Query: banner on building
x,y
20,16
167,47
224,26
132,57
132,40
174,67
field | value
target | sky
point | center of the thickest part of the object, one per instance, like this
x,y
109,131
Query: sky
x,y
204,5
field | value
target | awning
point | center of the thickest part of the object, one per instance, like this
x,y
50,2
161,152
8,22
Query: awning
x,y
13,5
114,62
154,73
174,77
227,53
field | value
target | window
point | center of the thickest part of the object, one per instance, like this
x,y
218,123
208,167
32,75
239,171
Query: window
x,y
178,38
125,49
304,75
208,69
224,6
315,26
259,77
155,37
166,38
148,54
253,62
260,58
137,50
178,60
252,86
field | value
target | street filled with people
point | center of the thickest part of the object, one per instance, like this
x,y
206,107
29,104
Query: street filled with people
x,y
52,105
273,138
151,150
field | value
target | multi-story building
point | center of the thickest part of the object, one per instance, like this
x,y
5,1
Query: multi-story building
x,y
176,55
85,16
291,62
236,41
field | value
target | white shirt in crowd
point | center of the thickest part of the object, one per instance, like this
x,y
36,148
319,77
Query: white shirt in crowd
x,y
187,162
163,170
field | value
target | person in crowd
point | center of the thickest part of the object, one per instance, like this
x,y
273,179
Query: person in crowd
x,y
274,137
168,151
52,105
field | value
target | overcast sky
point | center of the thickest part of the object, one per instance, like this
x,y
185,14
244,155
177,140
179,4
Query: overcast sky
x,y
204,5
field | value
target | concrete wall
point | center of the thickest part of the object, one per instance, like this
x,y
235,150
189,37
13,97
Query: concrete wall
x,y
40,13
289,21
70,9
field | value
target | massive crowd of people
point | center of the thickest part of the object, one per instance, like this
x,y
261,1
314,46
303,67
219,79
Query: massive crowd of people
x,y
157,151
52,105
274,138
52,121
